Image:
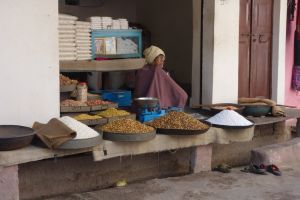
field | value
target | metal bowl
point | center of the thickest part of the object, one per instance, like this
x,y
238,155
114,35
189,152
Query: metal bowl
x,y
15,137
147,102
256,110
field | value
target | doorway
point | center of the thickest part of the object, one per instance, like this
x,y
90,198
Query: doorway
x,y
255,48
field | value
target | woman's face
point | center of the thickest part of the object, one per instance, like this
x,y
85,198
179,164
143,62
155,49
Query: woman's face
x,y
159,60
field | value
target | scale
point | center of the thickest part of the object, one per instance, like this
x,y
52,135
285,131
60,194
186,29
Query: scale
x,y
148,109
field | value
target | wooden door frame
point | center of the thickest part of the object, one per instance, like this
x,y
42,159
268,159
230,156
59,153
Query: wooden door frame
x,y
278,53
196,57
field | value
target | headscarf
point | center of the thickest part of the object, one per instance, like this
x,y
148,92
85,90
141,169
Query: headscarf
x,y
151,53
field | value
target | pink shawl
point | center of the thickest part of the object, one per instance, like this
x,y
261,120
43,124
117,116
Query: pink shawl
x,y
153,81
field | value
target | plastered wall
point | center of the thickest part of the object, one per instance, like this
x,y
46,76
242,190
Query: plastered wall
x,y
28,61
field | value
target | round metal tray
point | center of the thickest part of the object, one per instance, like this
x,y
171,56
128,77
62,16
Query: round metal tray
x,y
67,88
82,143
183,131
122,137
233,127
14,137
256,110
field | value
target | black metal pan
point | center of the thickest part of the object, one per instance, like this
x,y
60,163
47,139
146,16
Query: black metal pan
x,y
123,137
15,137
182,131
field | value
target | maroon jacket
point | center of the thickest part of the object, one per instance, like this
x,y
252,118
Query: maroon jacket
x,y
153,81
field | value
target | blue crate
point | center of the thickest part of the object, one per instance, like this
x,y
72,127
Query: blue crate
x,y
122,97
147,116
130,33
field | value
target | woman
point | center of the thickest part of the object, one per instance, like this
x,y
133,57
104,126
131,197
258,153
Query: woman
x,y
153,81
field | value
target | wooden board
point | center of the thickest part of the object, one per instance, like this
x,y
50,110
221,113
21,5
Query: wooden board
x,y
104,65
104,107
74,109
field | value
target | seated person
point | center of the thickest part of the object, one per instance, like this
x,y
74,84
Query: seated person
x,y
153,81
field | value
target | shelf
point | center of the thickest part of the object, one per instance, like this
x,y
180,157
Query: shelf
x,y
102,66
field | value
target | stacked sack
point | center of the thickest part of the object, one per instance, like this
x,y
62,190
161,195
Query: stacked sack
x,y
66,28
124,24
102,23
83,41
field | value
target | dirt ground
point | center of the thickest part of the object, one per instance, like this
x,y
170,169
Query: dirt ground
x,y
207,185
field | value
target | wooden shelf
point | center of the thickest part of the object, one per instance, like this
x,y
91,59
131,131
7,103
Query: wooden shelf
x,y
102,66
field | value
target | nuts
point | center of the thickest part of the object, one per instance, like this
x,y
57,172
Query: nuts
x,y
127,126
225,107
72,103
178,120
64,80
112,112
96,102
83,117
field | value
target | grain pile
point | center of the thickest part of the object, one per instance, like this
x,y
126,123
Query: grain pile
x,y
97,102
72,103
83,117
229,118
64,80
112,112
178,120
82,130
127,126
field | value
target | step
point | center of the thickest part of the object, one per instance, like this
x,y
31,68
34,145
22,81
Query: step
x,y
282,154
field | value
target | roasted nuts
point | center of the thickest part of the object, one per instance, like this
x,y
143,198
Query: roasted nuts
x,y
97,102
112,112
178,120
127,126
83,117
64,80
72,103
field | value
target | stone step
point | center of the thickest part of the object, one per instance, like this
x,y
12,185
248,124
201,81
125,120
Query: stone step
x,y
282,154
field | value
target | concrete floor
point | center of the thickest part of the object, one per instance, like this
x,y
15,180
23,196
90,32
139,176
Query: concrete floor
x,y
206,185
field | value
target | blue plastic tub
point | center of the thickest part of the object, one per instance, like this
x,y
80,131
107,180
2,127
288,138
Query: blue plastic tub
x,y
122,97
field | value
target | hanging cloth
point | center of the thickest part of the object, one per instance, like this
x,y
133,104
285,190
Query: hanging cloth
x,y
296,69
291,10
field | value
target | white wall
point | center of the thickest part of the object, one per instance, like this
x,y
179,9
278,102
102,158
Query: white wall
x,y
29,77
220,73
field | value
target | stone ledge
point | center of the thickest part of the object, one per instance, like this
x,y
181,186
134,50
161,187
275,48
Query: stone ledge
x,y
282,154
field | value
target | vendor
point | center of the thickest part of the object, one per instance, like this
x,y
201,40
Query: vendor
x,y
153,81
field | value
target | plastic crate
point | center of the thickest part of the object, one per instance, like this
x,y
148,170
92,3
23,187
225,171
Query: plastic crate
x,y
132,34
122,97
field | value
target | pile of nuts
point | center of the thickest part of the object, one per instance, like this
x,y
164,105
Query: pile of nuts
x,y
72,103
97,102
178,120
83,117
225,107
64,80
127,126
112,112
